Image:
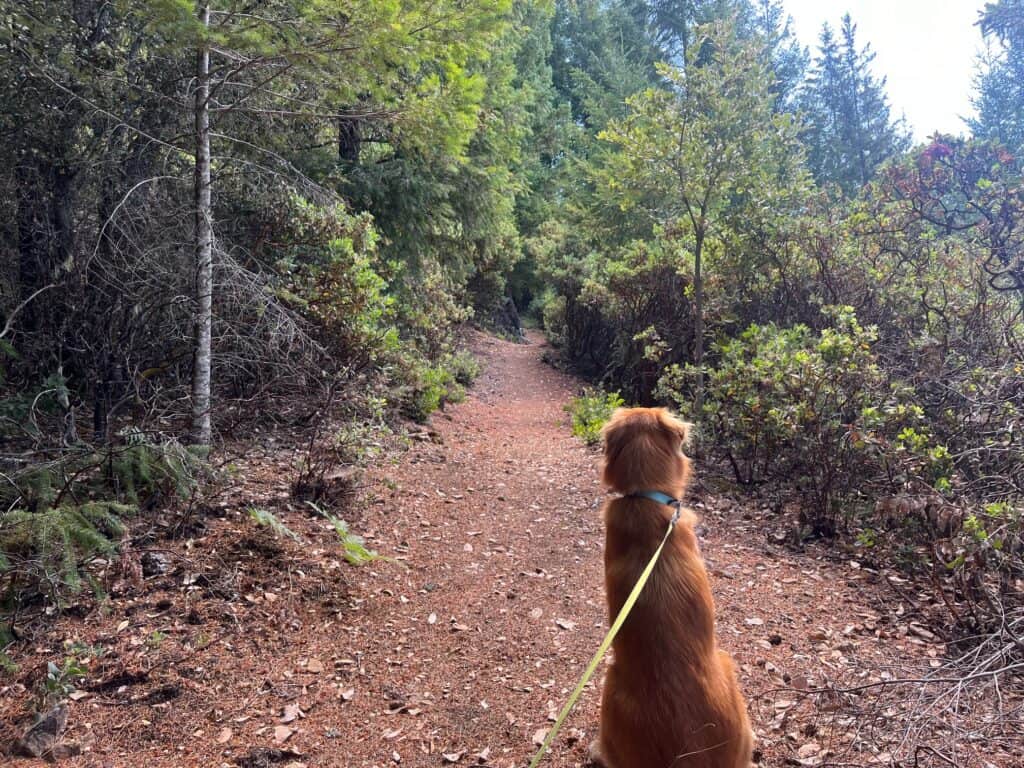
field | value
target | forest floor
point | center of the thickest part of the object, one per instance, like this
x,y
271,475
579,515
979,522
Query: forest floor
x,y
242,649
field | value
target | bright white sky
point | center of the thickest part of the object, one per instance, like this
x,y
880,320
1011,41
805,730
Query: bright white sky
x,y
925,48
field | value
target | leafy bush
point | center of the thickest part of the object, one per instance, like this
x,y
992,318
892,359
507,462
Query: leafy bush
x,y
987,551
608,310
327,259
464,367
589,413
814,410
432,387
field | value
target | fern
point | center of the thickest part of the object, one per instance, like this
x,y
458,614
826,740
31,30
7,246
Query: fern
x,y
353,547
270,521
53,543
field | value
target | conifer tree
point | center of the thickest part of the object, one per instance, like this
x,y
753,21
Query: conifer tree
x,y
1000,97
787,58
849,129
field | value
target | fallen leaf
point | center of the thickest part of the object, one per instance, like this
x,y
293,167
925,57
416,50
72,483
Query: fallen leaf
x,y
347,694
754,622
291,712
809,749
565,624
539,735
225,735
453,757
315,666
432,618
282,733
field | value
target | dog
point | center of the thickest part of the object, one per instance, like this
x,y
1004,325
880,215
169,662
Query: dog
x,y
670,698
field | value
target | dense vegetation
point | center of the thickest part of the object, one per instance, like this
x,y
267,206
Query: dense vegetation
x,y
219,212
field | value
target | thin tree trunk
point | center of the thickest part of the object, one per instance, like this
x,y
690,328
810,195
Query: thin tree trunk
x,y
201,371
698,323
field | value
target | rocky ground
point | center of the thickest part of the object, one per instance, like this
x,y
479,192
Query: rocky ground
x,y
237,647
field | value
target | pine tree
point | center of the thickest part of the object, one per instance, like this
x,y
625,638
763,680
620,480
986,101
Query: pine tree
x,y
849,128
1000,97
671,25
787,58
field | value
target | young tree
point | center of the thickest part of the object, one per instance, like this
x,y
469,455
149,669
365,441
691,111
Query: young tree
x,y
203,344
849,130
705,148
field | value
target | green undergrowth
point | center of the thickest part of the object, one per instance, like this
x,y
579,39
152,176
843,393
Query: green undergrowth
x,y
590,411
353,547
62,513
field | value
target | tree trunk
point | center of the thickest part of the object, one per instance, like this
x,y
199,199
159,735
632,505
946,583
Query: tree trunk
x,y
31,244
349,140
698,323
201,371
62,221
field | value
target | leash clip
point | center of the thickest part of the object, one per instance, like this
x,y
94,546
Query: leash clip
x,y
677,505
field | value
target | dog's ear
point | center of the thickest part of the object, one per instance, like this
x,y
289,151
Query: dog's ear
x,y
613,435
676,426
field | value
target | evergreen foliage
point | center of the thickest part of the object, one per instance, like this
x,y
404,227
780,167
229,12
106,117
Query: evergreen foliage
x,y
849,130
1000,97
61,514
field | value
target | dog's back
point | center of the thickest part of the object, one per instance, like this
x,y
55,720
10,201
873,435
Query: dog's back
x,y
670,699
670,696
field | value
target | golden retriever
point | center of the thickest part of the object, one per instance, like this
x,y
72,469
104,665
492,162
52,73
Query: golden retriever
x,y
670,698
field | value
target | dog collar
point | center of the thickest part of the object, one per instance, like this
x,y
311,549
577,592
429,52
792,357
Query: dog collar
x,y
658,496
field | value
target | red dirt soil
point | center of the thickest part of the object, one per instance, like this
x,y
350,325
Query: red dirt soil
x,y
460,650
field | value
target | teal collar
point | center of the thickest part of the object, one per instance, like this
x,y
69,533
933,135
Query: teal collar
x,y
658,496
662,498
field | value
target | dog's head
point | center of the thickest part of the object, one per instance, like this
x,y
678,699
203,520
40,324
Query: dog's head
x,y
643,450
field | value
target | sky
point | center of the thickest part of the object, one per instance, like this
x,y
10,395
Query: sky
x,y
925,48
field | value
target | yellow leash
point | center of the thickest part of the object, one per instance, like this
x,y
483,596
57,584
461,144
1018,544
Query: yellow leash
x,y
606,643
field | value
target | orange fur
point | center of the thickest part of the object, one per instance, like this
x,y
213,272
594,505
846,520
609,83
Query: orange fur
x,y
670,699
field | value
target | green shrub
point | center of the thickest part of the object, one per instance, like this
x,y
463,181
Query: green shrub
x,y
432,387
989,544
430,390
464,367
589,413
552,316
815,411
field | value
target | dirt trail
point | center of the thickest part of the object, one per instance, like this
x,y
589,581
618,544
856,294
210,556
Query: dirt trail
x,y
457,653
